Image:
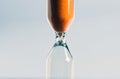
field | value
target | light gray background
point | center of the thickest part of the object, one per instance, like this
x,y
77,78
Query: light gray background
x,y
26,38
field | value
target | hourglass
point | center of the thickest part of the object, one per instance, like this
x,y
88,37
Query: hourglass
x,y
59,63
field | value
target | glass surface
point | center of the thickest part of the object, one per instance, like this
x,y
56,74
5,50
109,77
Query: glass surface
x,y
59,63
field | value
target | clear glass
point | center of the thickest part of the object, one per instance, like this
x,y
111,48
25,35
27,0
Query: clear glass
x,y
59,63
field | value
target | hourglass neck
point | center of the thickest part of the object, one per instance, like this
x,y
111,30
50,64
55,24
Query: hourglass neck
x,y
60,38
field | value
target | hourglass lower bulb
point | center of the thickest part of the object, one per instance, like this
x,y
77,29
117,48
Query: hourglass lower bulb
x,y
59,63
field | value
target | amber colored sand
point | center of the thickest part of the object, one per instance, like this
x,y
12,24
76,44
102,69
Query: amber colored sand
x,y
60,14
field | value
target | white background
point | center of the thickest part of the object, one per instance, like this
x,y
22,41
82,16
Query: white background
x,y
26,38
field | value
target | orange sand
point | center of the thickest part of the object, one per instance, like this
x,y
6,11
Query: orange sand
x,y
60,14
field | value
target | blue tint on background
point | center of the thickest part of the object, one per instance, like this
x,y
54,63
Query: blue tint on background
x,y
26,38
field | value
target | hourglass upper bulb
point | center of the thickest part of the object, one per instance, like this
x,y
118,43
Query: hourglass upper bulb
x,y
60,14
